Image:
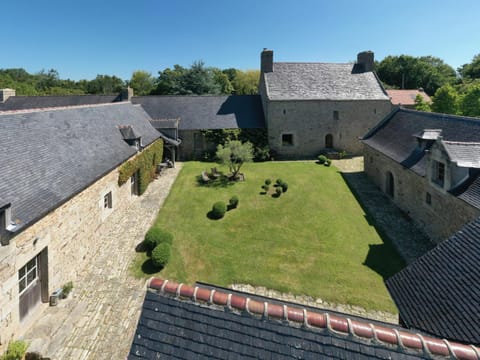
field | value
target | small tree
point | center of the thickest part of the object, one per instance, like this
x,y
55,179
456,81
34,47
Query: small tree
x,y
234,154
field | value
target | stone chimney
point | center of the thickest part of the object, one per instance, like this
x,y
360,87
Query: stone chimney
x,y
5,94
126,94
266,61
366,60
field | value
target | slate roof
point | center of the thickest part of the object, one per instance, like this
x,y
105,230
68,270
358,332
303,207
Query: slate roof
x,y
406,97
396,137
206,112
49,156
440,292
463,154
322,81
48,101
184,322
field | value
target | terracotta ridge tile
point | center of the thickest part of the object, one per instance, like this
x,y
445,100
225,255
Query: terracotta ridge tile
x,y
404,339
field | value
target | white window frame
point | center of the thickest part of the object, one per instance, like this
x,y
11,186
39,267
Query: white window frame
x,y
29,276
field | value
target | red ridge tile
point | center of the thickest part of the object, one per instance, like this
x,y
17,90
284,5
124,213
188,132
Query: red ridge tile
x,y
295,314
171,287
156,283
386,335
436,346
410,340
220,298
238,302
275,311
464,351
338,323
316,319
203,294
256,307
187,291
362,330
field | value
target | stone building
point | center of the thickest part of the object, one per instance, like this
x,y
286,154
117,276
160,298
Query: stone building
x,y
187,116
312,106
429,164
406,98
60,181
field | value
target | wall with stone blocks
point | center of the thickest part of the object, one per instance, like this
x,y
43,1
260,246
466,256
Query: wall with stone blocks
x,y
70,233
309,121
445,214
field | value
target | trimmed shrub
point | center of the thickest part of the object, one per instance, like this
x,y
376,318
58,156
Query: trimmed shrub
x,y
219,209
284,187
233,202
322,159
156,236
15,350
279,182
278,191
268,181
161,254
265,187
328,162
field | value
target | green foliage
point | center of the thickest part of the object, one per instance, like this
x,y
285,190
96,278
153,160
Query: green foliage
x,y
161,255
445,100
284,187
421,104
246,82
408,72
322,159
470,101
15,350
279,182
268,181
145,162
142,82
257,137
156,236
265,188
327,162
67,288
234,154
233,202
278,192
218,210
472,69
105,85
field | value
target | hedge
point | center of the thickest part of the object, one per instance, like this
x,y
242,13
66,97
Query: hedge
x,y
161,255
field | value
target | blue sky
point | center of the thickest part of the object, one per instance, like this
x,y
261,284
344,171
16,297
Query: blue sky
x,y
84,38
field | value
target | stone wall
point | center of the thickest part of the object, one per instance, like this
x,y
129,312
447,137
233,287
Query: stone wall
x,y
443,216
310,121
70,235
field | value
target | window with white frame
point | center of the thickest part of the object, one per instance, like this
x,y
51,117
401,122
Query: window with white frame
x,y
28,275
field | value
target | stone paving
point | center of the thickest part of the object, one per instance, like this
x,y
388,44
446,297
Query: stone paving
x,y
390,221
98,320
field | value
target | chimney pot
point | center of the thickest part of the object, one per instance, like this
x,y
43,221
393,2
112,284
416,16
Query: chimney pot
x,y
367,60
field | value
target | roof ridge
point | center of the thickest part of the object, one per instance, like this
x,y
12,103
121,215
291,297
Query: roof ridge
x,y
308,318
461,142
54,108
314,62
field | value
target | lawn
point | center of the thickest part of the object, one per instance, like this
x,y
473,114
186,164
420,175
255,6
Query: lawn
x,y
313,240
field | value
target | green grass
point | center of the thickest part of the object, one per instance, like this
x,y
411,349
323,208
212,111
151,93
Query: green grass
x,y
313,240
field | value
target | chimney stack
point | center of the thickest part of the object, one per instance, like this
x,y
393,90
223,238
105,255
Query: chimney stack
x,y
126,94
266,63
5,94
366,59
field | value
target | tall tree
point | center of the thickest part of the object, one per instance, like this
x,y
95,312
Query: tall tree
x,y
470,101
142,82
421,104
234,154
472,69
200,80
105,84
445,100
246,82
408,72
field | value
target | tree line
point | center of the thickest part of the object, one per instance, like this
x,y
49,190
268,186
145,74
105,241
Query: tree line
x,y
452,91
195,80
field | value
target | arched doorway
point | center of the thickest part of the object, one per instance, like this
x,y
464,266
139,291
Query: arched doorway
x,y
390,185
329,141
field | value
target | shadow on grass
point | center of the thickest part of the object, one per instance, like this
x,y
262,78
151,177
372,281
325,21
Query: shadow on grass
x,y
220,182
150,269
211,216
384,260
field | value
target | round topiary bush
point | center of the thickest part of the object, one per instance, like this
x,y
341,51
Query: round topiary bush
x,y
161,255
219,209
322,159
265,187
279,182
278,191
328,162
233,202
156,236
284,186
268,182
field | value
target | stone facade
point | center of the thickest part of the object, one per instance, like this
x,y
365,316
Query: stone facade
x,y
436,211
319,124
67,240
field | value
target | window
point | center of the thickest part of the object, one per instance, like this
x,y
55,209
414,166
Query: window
x,y
335,115
27,275
390,184
287,139
134,183
107,201
438,175
428,198
329,141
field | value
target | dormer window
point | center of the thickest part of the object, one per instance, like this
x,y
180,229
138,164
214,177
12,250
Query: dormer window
x,y
130,136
